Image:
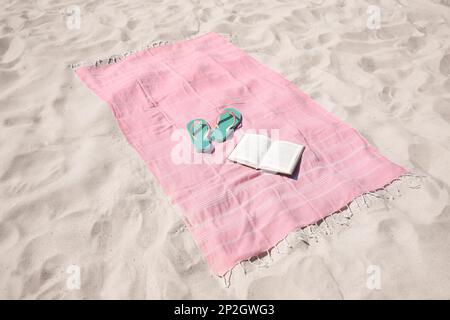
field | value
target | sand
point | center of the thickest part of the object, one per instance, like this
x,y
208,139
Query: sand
x,y
82,218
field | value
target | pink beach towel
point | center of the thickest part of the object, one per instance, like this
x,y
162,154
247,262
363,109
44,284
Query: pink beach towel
x,y
234,212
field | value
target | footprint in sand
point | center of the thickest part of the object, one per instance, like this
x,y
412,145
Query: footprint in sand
x,y
414,44
400,231
11,50
114,19
21,120
254,18
132,24
444,65
101,232
9,236
26,172
396,31
14,23
387,94
304,16
53,268
326,37
8,80
92,279
441,106
367,64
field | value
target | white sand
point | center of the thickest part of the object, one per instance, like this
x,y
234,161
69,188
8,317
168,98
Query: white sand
x,y
74,193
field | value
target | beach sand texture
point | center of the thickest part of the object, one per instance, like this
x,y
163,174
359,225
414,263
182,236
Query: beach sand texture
x,y
76,197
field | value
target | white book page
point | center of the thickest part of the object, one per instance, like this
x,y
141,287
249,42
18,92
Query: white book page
x,y
251,149
282,157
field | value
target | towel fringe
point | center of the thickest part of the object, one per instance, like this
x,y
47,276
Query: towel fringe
x,y
365,202
300,234
118,57
259,261
270,255
287,243
227,280
311,233
276,247
243,268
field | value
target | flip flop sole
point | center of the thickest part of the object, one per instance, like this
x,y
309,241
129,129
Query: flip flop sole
x,y
198,130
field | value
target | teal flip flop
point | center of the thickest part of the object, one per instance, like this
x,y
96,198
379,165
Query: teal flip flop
x,y
199,131
226,123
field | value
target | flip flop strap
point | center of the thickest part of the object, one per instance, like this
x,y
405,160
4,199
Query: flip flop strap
x,y
230,113
191,131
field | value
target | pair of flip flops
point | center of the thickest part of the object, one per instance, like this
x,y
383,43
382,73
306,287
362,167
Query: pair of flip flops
x,y
202,135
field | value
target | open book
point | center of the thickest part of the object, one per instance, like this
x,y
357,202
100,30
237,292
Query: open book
x,y
259,152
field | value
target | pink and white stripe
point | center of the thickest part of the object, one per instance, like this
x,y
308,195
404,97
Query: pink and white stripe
x,y
232,211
